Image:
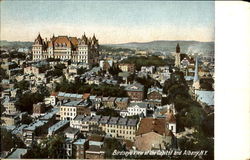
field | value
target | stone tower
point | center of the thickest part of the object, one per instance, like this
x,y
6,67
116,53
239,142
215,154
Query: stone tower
x,y
178,56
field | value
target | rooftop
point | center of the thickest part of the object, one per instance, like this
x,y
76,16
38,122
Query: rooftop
x,y
57,126
80,141
17,154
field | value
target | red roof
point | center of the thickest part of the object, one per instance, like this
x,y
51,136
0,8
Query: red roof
x,y
157,125
54,94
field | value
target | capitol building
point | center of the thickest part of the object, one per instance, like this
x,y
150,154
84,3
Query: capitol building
x,y
82,49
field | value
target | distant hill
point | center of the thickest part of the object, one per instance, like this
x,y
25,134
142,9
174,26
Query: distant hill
x,y
15,44
169,46
155,46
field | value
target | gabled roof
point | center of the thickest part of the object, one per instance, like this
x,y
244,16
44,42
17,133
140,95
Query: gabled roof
x,y
155,89
62,41
135,87
156,125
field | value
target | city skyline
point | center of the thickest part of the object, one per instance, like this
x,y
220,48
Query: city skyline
x,y
112,22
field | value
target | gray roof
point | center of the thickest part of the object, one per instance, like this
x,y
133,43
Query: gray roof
x,y
86,119
104,119
135,87
140,104
205,97
17,153
96,118
57,126
121,99
79,117
72,103
122,121
50,114
80,141
71,130
19,129
132,122
113,120
35,125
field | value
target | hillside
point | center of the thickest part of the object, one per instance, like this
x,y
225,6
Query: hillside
x,y
169,46
15,44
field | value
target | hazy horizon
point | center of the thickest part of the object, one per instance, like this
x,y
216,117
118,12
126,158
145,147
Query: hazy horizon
x,y
113,22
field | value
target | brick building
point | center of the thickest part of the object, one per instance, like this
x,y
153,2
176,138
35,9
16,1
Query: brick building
x,y
135,91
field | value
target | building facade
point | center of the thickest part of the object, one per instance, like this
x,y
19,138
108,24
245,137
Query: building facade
x,y
63,47
135,91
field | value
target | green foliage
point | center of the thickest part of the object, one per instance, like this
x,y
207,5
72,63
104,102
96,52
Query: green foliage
x,y
51,147
44,68
100,90
114,70
144,61
54,146
2,109
22,85
54,73
26,101
81,70
111,144
3,74
57,71
60,66
43,90
108,112
208,125
199,141
26,120
19,55
115,50
9,140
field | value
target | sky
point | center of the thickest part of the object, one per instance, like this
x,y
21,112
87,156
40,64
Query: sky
x,y
111,21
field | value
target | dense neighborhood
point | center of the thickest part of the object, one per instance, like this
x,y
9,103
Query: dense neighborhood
x,y
68,97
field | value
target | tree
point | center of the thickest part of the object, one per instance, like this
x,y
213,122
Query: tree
x,y
26,101
51,147
108,112
81,70
111,144
22,85
3,74
114,70
8,140
41,89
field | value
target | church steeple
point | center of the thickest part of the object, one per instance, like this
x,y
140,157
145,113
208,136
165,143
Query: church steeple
x,y
177,56
178,48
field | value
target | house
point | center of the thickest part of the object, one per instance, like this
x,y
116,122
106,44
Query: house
x,y
126,67
137,108
121,103
111,102
96,148
149,70
154,93
58,127
80,147
135,91
69,110
10,106
153,134
71,135
38,108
